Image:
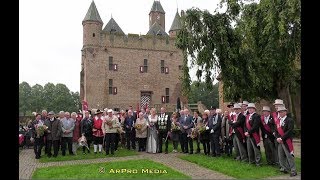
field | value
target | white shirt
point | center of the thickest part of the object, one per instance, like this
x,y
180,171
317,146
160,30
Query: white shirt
x,y
282,121
266,119
250,115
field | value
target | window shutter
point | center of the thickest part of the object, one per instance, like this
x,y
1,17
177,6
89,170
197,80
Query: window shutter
x,y
163,99
141,69
115,67
166,70
115,91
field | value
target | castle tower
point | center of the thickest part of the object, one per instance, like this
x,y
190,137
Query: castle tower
x,y
176,25
92,26
157,14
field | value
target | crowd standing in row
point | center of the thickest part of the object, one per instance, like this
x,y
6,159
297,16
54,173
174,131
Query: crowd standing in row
x,y
237,128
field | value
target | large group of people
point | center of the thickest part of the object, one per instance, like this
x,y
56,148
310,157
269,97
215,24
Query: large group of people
x,y
234,131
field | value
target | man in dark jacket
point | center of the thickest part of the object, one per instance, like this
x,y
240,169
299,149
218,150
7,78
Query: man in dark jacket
x,y
130,131
252,127
284,134
186,125
86,129
163,127
237,123
53,134
268,125
215,131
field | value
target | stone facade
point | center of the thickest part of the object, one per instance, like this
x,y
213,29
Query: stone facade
x,y
128,54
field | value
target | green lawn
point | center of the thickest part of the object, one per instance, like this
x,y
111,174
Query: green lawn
x,y
227,165
67,157
130,169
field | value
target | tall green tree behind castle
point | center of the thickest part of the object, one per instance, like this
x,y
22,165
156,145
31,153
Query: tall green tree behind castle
x,y
50,97
255,44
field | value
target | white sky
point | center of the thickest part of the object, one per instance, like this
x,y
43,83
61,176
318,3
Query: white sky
x,y
50,33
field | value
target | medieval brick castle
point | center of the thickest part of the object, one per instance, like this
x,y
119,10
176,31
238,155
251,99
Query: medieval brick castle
x,y
118,69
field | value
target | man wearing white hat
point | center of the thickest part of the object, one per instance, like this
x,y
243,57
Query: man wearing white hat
x,y
284,133
267,128
252,127
244,107
237,124
277,103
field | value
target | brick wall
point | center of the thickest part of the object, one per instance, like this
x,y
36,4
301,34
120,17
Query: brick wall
x,y
128,53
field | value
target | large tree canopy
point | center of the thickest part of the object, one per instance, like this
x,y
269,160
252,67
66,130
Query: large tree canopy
x,y
50,97
254,45
200,92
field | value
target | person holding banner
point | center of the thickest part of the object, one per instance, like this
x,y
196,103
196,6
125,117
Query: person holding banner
x,y
284,134
252,127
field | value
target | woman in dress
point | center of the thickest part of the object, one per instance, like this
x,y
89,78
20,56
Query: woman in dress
x,y
152,134
175,131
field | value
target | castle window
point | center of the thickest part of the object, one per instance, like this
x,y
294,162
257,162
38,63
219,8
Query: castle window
x,y
93,34
167,95
111,63
162,66
180,67
110,86
144,68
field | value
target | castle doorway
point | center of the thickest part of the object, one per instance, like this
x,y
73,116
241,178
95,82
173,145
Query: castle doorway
x,y
145,99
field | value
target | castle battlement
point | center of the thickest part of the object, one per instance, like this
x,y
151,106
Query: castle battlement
x,y
136,41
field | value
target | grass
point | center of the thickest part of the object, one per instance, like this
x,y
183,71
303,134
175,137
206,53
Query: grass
x,y
227,165
120,153
130,169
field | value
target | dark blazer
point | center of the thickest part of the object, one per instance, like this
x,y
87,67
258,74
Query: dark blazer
x,y
217,127
130,122
255,123
55,129
287,129
86,127
241,120
186,122
272,125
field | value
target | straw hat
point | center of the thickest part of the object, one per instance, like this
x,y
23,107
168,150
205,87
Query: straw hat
x,y
236,106
266,108
278,102
251,105
245,103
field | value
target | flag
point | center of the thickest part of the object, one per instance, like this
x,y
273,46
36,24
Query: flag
x,y
84,105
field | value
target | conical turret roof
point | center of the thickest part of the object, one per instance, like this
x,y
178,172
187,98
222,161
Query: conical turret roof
x,y
92,14
176,24
112,26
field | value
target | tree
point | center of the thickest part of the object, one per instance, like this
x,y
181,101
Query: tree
x,y
36,98
50,97
24,97
200,92
255,46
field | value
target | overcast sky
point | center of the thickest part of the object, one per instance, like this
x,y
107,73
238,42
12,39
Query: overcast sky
x,y
50,33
